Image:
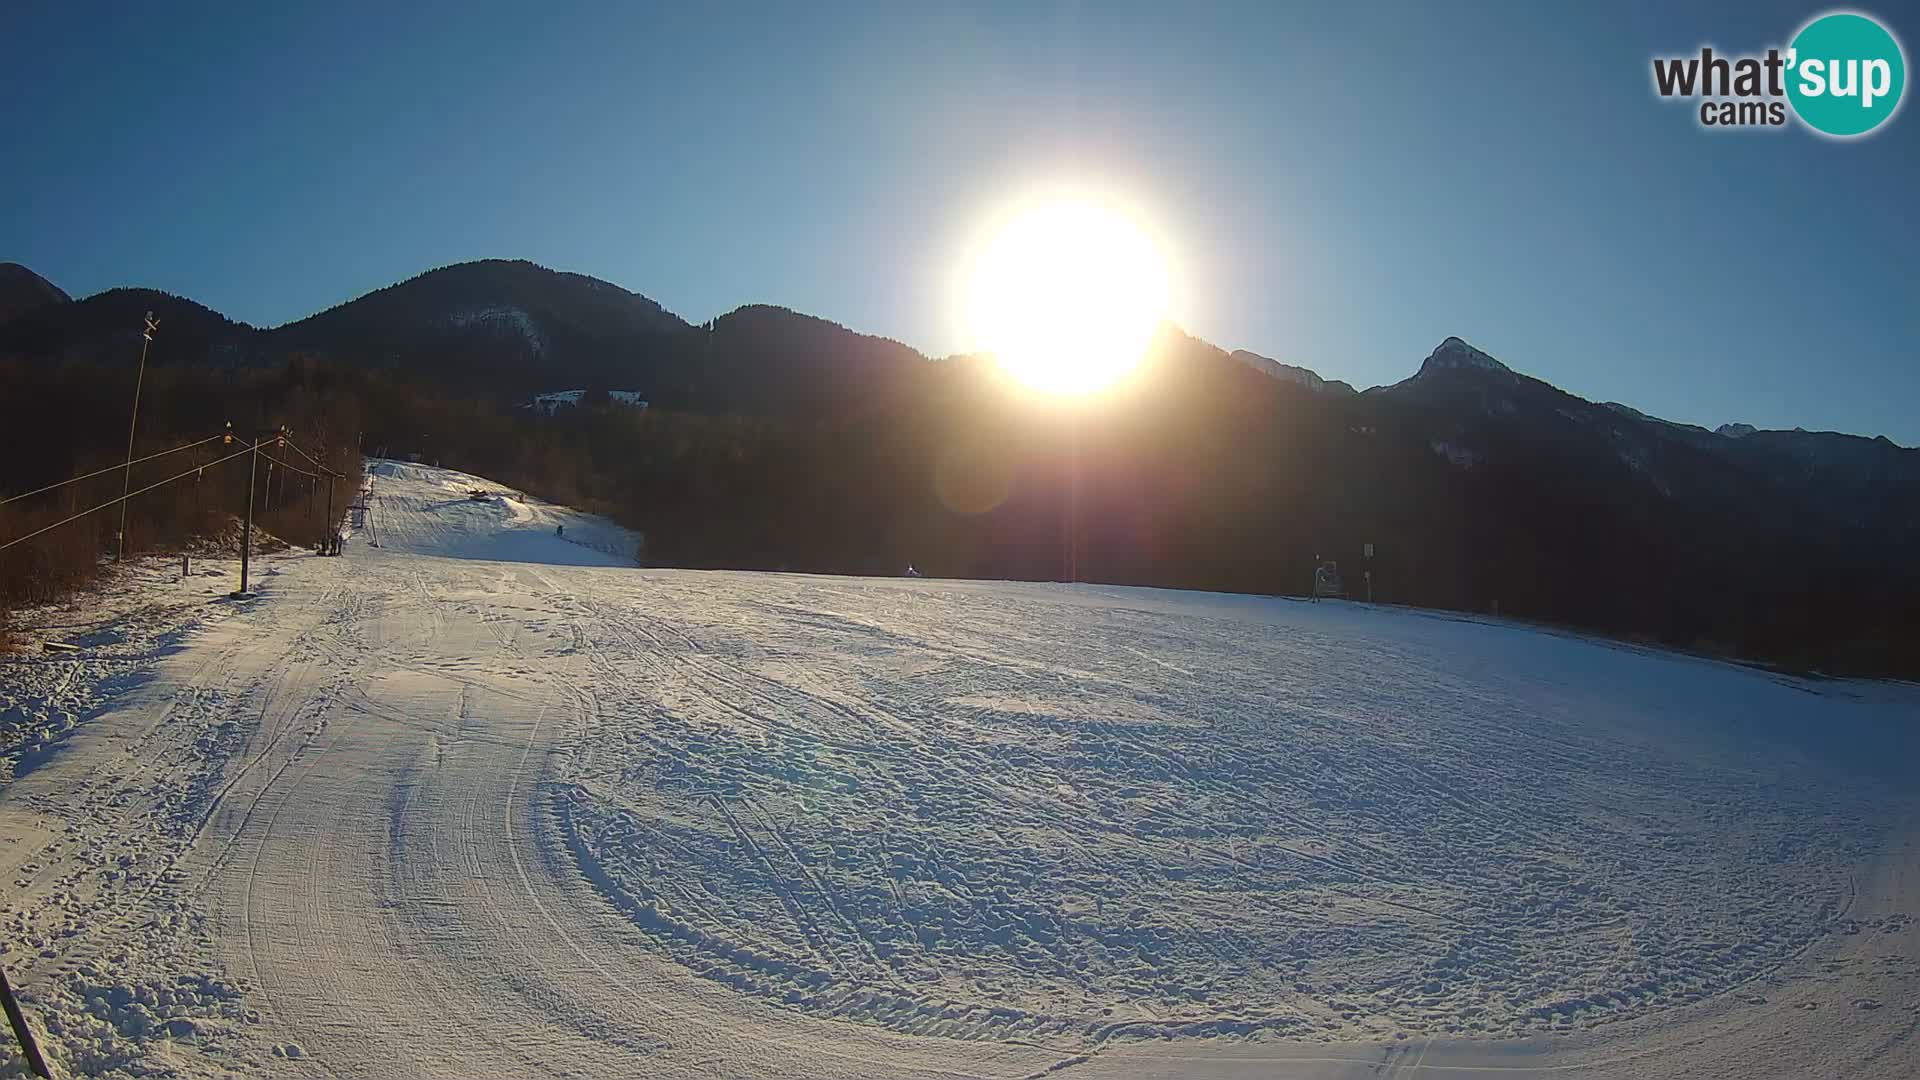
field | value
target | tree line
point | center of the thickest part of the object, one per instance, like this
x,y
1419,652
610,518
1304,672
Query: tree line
x,y
1198,473
68,419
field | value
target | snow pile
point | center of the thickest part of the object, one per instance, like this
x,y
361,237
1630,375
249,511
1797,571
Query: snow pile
x,y
97,1023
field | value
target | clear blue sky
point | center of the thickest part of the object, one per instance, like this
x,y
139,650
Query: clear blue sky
x,y
1344,184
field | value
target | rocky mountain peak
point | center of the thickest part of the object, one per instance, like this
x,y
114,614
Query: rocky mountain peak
x,y
1454,353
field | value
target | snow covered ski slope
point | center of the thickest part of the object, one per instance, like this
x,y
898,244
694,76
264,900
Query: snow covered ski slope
x,y
485,800
429,511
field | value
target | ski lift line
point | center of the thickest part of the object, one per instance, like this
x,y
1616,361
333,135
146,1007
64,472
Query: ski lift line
x,y
325,470
110,468
276,461
123,498
316,463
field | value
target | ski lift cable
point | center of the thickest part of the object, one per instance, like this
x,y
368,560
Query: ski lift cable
x,y
290,468
121,499
110,468
295,447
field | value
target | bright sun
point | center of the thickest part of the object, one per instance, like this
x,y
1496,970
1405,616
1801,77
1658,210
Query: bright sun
x,y
1067,294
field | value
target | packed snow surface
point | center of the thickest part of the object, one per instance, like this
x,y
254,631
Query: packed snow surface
x,y
488,799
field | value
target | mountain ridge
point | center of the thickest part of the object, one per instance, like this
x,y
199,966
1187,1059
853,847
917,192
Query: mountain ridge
x,y
485,300
778,440
22,290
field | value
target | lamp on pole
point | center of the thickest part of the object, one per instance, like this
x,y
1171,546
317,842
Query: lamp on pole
x,y
126,477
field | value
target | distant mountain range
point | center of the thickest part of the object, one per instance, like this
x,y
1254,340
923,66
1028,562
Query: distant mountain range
x,y
522,326
1486,486
1474,408
506,325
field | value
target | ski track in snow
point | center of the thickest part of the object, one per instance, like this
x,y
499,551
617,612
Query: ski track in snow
x,y
486,800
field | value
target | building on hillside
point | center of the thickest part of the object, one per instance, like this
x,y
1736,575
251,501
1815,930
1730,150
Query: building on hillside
x,y
551,403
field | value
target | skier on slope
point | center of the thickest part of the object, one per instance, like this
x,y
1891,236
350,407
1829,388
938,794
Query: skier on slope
x,y
559,530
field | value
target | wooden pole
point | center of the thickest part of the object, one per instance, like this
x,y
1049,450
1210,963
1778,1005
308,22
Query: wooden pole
x,y
30,1049
126,477
246,532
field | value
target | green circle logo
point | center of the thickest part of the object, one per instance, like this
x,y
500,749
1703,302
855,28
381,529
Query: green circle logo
x,y
1845,74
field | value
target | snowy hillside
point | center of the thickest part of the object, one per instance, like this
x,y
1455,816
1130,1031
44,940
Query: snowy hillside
x,y
427,510
487,799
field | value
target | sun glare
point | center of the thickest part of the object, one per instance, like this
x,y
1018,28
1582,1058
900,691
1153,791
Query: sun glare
x,y
1067,294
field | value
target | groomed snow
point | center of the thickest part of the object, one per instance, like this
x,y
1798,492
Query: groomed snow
x,y
487,800
423,510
